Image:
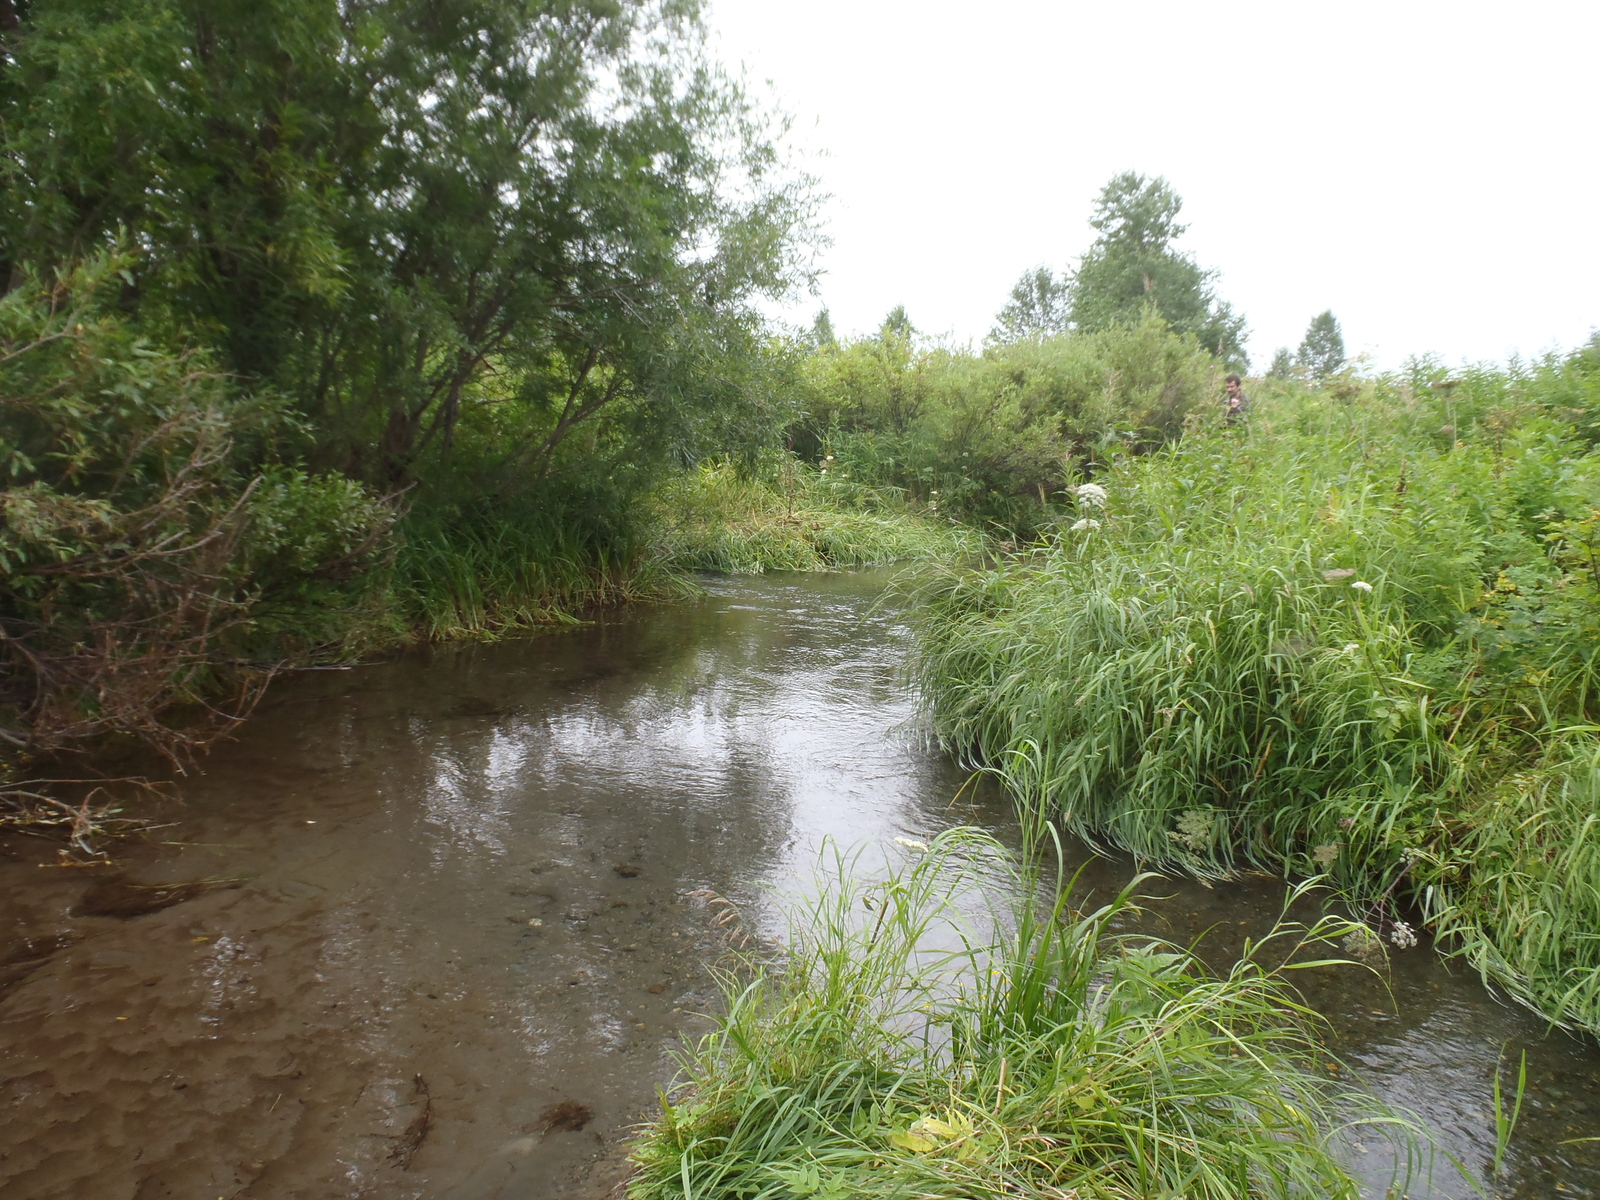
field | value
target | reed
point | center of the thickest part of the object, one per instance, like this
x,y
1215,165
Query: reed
x,y
465,574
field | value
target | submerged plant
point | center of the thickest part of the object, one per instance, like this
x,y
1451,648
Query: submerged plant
x,y
905,1049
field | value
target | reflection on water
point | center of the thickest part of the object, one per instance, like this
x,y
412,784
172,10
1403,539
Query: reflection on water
x,y
475,895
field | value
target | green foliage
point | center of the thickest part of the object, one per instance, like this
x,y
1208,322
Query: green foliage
x,y
531,218
1322,349
1056,1059
1517,890
467,568
143,563
1335,641
897,325
822,336
1038,307
499,258
1282,364
1133,265
993,437
793,517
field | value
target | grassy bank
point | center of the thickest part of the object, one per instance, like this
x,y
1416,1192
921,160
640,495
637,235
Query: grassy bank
x,y
443,570
471,573
1050,1058
795,517
1358,637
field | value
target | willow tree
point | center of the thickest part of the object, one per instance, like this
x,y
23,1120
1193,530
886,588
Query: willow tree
x,y
421,220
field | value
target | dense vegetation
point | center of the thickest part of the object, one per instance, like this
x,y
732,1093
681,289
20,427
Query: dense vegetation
x,y
1352,637
1358,636
993,438
323,325
795,517
327,326
1043,1054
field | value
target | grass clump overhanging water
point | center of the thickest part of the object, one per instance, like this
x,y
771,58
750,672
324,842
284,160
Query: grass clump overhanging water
x,y
472,570
1359,637
795,517
474,573
1050,1056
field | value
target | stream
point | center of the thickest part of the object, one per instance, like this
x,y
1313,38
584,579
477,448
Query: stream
x,y
433,927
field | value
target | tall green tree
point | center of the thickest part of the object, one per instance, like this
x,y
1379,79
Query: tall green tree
x,y
1133,264
822,335
1322,349
898,324
1039,307
531,216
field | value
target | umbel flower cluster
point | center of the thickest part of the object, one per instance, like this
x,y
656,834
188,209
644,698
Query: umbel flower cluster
x,y
1090,495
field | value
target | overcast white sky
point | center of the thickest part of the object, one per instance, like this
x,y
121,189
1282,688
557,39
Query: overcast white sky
x,y
1429,171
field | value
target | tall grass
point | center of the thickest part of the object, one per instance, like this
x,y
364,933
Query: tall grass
x,y
1519,888
465,573
794,517
1334,642
1043,1055
466,570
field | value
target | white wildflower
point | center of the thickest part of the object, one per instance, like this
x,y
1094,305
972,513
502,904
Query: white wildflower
x,y
1403,936
1337,574
912,844
1351,647
1325,854
1361,585
1085,523
1092,494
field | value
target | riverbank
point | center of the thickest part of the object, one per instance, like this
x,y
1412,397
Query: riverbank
x,y
902,1047
339,900
1358,637
485,579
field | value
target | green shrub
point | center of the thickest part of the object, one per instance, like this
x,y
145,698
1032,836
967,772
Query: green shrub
x,y
993,437
145,564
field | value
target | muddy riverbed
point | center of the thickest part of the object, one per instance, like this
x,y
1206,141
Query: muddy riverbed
x,y
432,928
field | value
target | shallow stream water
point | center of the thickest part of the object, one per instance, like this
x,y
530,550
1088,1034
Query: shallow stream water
x,y
432,927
